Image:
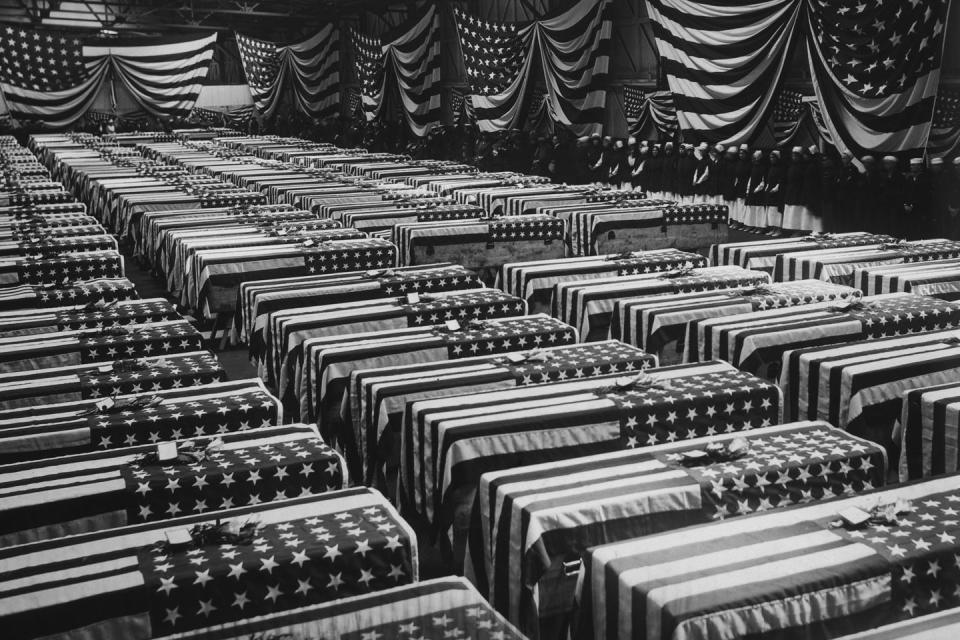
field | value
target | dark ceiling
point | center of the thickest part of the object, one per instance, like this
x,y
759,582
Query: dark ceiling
x,y
268,18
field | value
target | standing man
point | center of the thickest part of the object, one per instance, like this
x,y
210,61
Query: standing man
x,y
892,192
812,193
915,221
668,173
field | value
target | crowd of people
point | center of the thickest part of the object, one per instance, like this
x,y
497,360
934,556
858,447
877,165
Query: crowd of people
x,y
771,191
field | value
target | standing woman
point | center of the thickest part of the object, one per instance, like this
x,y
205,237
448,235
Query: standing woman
x,y
776,177
755,211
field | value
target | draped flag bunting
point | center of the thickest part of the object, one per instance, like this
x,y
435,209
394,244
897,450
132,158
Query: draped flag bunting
x,y
788,114
367,57
641,109
54,78
945,129
876,69
238,115
407,60
310,67
573,49
722,61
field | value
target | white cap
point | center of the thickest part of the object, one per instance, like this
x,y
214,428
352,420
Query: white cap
x,y
956,161
797,150
889,158
813,149
744,147
731,149
936,161
915,162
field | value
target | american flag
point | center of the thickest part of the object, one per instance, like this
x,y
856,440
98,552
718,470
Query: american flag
x,y
378,414
535,517
295,553
39,61
634,102
928,418
440,608
700,581
311,66
54,77
788,109
368,57
876,69
879,49
572,48
493,52
117,487
722,103
945,129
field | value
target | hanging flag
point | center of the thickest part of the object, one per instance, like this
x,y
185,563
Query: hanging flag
x,y
722,62
945,129
367,56
54,78
311,66
641,109
876,69
635,108
788,113
460,106
408,61
573,49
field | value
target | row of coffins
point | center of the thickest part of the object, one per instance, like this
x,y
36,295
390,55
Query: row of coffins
x,y
145,495
496,440
455,473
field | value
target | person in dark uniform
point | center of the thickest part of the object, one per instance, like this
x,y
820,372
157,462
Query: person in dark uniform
x,y
951,196
727,179
595,159
668,172
686,166
939,181
829,185
653,173
916,220
813,188
892,192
